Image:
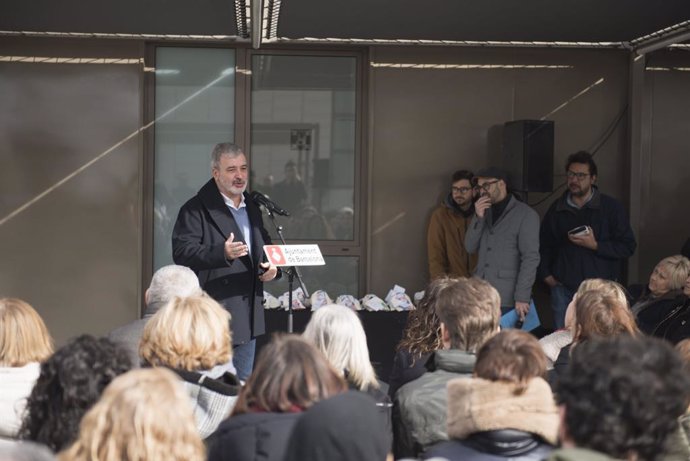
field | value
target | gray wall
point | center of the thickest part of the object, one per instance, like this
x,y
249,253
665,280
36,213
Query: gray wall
x,y
75,254
665,223
426,123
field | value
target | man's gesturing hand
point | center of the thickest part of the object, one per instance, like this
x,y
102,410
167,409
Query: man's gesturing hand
x,y
234,250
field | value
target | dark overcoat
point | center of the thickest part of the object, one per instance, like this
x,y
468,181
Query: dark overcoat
x,y
203,225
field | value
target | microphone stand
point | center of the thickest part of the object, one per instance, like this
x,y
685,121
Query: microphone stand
x,y
292,271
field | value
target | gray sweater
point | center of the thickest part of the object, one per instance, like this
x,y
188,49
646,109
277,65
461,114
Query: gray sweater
x,y
508,250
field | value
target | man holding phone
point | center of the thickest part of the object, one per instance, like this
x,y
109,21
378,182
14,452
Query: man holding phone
x,y
585,234
505,233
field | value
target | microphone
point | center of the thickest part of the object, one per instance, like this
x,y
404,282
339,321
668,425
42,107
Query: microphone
x,y
261,200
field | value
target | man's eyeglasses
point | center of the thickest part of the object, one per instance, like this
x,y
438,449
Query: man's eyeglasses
x,y
461,190
579,176
487,185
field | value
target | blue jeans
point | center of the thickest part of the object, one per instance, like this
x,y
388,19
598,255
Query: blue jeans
x,y
560,298
243,359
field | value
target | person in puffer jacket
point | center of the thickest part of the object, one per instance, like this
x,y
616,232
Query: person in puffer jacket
x,y
506,410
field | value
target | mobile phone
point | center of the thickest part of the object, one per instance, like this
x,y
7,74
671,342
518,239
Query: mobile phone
x,y
579,231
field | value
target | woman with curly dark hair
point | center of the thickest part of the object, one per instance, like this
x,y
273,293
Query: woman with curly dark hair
x,y
421,337
71,381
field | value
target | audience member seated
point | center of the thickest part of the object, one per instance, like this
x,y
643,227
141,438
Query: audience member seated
x,y
662,295
24,344
338,333
469,311
601,312
191,336
342,428
166,283
554,342
290,376
143,415
421,337
677,446
506,411
676,326
620,398
25,451
71,381
557,340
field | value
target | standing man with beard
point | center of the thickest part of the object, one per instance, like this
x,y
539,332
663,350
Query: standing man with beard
x,y
446,234
505,232
220,235
568,258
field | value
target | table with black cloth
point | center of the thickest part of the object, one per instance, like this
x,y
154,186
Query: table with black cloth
x,y
383,330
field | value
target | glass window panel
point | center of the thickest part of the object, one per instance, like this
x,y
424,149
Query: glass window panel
x,y
338,277
195,109
303,142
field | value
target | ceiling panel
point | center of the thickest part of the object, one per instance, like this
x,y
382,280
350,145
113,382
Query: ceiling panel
x,y
483,20
173,17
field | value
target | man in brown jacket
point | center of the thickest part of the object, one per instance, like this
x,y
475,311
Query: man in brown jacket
x,y
446,235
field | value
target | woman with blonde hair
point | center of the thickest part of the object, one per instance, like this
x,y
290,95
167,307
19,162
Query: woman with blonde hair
x,y
663,294
143,415
191,336
24,344
675,327
602,311
553,343
290,376
338,333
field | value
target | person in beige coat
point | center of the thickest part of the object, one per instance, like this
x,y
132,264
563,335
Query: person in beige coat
x,y
506,410
447,227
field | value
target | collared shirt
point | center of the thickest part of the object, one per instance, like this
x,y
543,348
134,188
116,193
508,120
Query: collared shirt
x,y
570,202
241,218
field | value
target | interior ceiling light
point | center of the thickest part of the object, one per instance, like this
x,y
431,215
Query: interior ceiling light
x,y
397,65
663,38
668,69
188,37
242,18
70,60
662,32
363,41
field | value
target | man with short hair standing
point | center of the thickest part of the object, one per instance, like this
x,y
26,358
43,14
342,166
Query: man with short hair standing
x,y
447,227
505,232
597,250
220,235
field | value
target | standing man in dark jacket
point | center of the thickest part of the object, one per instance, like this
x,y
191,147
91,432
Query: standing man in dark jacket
x,y
220,235
597,252
447,227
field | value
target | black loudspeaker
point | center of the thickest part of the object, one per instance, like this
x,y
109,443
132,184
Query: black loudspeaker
x,y
528,154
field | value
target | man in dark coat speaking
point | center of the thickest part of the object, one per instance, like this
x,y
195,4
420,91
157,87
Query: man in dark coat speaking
x,y
219,234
